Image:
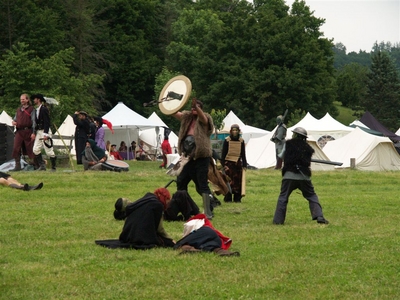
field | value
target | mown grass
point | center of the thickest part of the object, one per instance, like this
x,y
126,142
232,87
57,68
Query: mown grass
x,y
48,250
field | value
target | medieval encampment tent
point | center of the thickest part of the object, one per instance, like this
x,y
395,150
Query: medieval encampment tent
x,y
5,118
260,153
67,128
371,152
247,131
369,120
126,124
323,130
154,138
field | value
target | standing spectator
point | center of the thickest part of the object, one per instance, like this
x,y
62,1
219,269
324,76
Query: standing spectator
x,y
25,123
296,174
43,139
99,138
82,131
233,160
166,149
92,127
279,139
194,141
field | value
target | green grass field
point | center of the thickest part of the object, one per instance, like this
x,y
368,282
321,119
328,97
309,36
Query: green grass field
x,y
48,250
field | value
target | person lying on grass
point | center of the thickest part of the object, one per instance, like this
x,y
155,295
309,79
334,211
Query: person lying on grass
x,y
143,227
7,180
200,235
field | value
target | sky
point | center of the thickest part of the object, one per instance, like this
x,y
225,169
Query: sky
x,y
358,24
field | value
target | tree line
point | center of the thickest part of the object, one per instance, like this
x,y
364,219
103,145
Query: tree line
x,y
256,59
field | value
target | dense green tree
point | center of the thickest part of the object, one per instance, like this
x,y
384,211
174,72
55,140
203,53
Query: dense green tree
x,y
352,85
132,42
24,72
255,60
33,23
383,94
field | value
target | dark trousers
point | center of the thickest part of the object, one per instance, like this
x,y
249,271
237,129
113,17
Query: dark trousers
x,y
196,170
204,238
307,189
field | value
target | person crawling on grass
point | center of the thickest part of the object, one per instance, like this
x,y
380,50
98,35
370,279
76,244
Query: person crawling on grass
x,y
7,180
143,227
199,235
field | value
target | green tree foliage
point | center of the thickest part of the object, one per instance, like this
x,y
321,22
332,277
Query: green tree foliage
x,y
24,72
383,94
255,60
132,42
352,85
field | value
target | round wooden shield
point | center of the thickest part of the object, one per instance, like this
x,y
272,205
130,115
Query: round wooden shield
x,y
117,163
174,95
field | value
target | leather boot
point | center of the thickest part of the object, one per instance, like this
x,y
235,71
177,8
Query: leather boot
x,y
278,165
40,162
53,163
207,205
35,187
222,252
228,197
17,165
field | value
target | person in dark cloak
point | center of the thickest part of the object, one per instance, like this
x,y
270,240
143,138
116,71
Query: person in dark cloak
x,y
181,207
143,227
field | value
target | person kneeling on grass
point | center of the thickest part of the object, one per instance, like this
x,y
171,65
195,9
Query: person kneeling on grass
x,y
7,180
143,228
200,235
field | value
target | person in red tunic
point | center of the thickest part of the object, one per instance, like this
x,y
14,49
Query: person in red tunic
x,y
24,122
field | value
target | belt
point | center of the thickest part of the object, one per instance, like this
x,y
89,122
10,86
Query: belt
x,y
25,128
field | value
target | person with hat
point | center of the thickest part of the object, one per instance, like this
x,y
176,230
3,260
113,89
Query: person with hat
x,y
233,160
43,134
296,173
25,123
7,180
82,131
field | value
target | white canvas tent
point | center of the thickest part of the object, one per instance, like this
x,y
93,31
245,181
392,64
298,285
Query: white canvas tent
x,y
248,131
324,129
260,153
154,137
126,124
67,128
5,118
371,152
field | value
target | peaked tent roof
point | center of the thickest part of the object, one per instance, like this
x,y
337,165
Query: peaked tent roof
x,y
371,152
126,124
324,129
229,120
154,139
121,116
67,128
369,120
248,131
5,118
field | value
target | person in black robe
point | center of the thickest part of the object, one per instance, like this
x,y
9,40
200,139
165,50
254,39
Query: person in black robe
x,y
143,227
